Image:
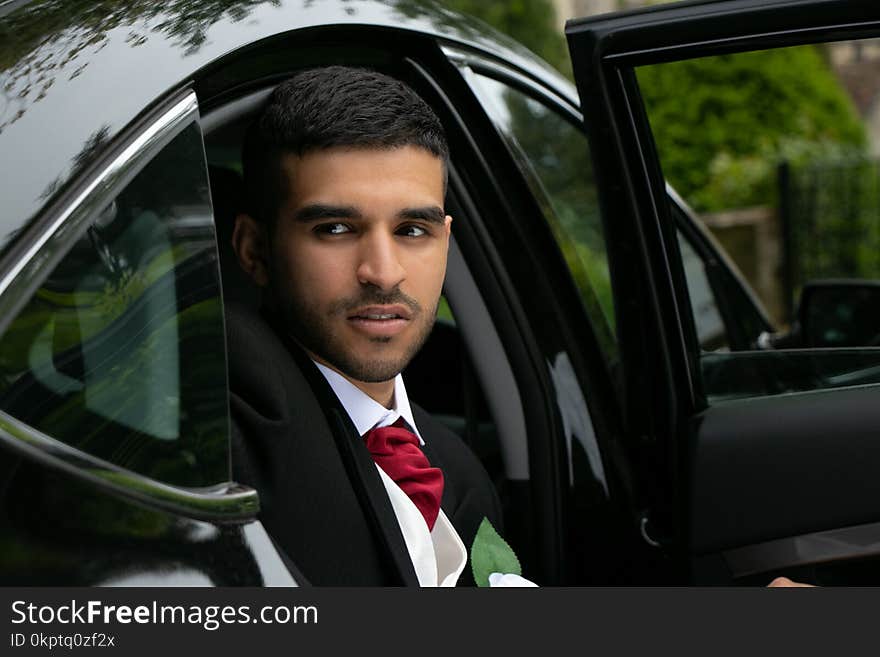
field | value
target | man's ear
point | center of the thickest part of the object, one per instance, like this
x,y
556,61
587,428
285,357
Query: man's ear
x,y
251,245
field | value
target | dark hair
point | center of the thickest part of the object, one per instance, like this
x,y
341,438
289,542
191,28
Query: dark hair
x,y
327,107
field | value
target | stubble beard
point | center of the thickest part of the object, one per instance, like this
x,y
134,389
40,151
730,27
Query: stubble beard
x,y
315,330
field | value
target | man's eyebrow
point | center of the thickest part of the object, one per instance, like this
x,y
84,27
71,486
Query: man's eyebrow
x,y
319,211
430,213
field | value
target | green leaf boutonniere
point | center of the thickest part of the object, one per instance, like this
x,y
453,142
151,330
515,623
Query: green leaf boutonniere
x,y
491,554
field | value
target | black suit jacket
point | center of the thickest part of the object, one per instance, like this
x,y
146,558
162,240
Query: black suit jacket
x,y
322,499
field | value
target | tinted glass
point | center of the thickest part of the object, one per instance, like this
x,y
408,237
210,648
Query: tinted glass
x,y
555,157
120,352
710,327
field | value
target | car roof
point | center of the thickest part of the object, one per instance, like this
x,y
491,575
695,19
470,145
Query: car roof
x,y
75,73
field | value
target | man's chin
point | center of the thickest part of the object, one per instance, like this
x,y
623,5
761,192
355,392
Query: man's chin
x,y
364,368
367,359
372,371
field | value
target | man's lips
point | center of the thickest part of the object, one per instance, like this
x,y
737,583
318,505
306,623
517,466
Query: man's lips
x,y
380,321
380,313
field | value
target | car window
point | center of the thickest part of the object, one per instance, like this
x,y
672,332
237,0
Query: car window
x,y
717,288
119,351
555,157
777,152
707,319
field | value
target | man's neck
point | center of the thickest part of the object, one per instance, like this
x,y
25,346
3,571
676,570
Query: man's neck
x,y
382,392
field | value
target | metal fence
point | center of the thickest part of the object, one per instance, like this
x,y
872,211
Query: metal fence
x,y
830,221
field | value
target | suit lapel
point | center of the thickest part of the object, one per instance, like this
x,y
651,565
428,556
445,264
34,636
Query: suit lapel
x,y
370,489
358,463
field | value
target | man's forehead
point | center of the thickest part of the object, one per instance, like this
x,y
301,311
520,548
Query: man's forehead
x,y
406,176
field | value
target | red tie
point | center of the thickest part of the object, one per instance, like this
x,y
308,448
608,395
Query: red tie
x,y
396,450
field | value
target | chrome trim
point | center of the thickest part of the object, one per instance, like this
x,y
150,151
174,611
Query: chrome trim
x,y
226,502
469,62
841,380
837,544
21,280
643,529
266,556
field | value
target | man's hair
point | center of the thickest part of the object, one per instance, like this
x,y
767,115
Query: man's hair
x,y
329,107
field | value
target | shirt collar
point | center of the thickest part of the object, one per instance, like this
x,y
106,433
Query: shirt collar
x,y
364,411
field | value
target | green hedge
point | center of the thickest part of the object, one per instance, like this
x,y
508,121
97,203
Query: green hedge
x,y
722,123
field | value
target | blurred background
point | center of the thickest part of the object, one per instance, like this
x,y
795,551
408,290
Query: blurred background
x,y
776,151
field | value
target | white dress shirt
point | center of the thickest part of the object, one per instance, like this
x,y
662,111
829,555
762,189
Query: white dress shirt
x,y
438,556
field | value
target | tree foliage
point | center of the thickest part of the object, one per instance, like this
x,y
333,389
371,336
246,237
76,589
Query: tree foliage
x,y
722,123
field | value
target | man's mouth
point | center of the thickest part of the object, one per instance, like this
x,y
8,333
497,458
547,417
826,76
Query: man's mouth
x,y
380,321
382,313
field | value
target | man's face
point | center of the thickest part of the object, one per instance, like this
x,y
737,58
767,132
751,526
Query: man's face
x,y
358,256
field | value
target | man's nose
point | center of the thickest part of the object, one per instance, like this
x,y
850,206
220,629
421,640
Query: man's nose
x,y
379,262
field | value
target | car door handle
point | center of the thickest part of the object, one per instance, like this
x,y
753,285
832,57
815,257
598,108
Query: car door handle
x,y
226,502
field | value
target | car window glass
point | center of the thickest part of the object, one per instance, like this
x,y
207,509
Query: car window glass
x,y
120,350
707,319
777,153
555,157
709,272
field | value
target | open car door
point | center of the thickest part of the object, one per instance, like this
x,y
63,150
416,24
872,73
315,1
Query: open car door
x,y
752,461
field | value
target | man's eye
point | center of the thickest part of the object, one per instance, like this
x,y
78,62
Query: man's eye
x,y
412,231
334,228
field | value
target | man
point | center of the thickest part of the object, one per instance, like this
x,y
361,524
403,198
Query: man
x,y
345,176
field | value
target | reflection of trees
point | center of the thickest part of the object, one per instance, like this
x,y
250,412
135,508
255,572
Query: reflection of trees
x,y
45,39
134,297
532,23
559,154
93,146
452,21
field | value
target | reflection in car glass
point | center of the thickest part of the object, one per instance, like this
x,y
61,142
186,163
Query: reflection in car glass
x,y
556,157
119,352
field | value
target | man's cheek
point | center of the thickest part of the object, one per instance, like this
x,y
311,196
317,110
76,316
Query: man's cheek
x,y
317,273
303,282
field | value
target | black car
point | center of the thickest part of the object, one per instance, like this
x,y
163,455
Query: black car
x,y
600,353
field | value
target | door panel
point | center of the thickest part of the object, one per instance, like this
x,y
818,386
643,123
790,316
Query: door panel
x,y
771,480
762,469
